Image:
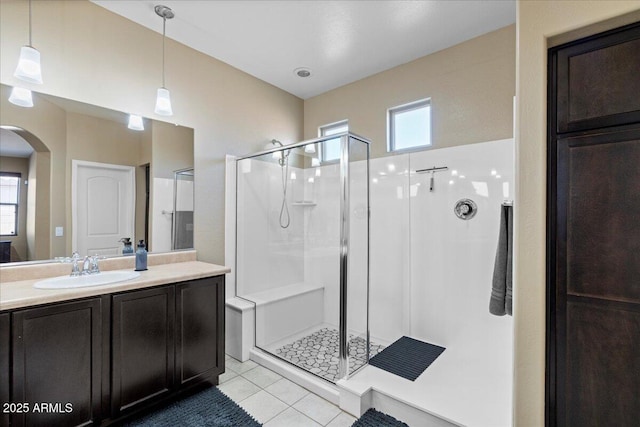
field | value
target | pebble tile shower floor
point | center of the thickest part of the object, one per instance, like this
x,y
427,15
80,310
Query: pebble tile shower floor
x,y
318,353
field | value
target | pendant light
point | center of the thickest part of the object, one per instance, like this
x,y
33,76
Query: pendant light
x,y
21,97
163,97
29,68
135,122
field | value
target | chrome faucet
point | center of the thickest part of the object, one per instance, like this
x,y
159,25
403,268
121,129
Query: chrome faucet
x,y
75,271
90,265
94,268
85,265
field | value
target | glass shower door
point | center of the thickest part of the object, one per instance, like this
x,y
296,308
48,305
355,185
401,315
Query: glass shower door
x,y
182,236
302,252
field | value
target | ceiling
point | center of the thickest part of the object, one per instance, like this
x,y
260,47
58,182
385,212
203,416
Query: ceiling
x,y
13,145
339,41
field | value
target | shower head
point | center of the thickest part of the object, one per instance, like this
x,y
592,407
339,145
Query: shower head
x,y
282,156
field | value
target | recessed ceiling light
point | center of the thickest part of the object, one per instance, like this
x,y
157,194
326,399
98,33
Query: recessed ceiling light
x,y
302,72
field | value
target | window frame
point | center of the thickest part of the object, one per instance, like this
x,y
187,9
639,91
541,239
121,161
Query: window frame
x,y
17,204
391,113
322,132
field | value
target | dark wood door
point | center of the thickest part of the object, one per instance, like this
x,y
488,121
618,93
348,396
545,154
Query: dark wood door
x,y
593,335
56,354
5,355
200,330
142,348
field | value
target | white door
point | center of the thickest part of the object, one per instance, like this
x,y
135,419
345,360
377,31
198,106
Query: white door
x,y
103,207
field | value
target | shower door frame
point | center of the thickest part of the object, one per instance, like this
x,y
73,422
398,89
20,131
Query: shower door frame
x,y
343,352
174,230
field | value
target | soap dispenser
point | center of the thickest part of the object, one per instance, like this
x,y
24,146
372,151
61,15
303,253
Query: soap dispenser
x,y
127,249
141,256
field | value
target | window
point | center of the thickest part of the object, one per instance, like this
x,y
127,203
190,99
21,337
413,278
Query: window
x,y
9,190
410,126
330,150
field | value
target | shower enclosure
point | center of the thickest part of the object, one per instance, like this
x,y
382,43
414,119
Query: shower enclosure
x,y
302,252
182,226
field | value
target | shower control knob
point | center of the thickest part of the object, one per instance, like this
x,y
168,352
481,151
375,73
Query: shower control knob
x,y
465,209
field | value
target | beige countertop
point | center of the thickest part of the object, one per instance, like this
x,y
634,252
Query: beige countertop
x,y
20,294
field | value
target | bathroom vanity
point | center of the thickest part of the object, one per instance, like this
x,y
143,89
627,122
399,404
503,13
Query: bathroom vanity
x,y
97,355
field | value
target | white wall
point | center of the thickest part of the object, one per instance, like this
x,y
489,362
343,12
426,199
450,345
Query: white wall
x,y
269,256
452,259
430,271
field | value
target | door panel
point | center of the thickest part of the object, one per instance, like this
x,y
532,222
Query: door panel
x,y
603,196
598,82
143,346
200,329
57,359
603,343
103,206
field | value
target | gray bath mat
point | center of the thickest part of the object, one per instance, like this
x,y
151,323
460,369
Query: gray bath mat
x,y
407,357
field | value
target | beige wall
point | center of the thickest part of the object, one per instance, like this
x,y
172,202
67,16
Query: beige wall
x,y
47,132
172,149
471,86
19,242
536,22
94,56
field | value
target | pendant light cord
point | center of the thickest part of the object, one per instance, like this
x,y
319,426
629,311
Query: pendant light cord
x,y
164,29
30,45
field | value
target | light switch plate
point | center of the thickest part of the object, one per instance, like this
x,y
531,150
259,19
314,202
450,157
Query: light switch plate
x,y
59,231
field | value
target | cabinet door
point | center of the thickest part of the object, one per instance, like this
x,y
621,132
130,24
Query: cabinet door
x,y
56,364
200,330
596,278
143,347
4,365
597,81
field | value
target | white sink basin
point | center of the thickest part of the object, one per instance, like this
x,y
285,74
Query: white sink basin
x,y
103,278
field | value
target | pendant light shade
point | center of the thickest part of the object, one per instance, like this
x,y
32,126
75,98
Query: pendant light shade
x,y
163,102
29,68
21,97
163,97
135,122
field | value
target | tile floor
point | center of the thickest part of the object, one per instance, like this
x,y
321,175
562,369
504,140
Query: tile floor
x,y
275,401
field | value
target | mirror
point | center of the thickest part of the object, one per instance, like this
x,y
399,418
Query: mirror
x,y
63,153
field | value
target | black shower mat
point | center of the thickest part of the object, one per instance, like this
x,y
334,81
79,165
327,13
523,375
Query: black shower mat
x,y
407,357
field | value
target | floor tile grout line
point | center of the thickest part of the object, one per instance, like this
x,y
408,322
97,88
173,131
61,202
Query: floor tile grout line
x,y
337,415
291,405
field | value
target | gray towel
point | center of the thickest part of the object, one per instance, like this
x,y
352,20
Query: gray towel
x,y
502,289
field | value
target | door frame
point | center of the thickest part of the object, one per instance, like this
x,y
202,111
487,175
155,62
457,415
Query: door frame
x,y
75,164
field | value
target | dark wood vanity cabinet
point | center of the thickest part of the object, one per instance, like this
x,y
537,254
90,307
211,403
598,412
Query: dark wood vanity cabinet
x,y
199,330
56,359
111,355
5,357
142,356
